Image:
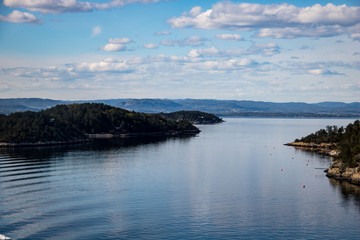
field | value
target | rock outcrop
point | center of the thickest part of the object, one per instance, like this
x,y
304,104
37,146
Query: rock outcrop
x,y
339,171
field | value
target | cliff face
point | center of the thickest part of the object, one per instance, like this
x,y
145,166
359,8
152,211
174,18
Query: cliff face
x,y
337,170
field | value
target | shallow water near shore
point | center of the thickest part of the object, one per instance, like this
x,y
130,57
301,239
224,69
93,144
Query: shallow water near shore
x,y
233,180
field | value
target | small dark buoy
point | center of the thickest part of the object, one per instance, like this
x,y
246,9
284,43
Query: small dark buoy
x,y
303,186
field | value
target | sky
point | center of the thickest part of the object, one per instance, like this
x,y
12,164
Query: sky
x,y
278,51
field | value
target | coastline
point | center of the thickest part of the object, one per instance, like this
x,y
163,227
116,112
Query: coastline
x,y
48,143
151,134
328,149
90,138
337,170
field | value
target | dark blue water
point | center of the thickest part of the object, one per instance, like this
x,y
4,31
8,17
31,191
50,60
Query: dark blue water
x,y
233,180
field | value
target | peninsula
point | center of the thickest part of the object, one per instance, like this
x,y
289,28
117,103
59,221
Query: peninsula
x,y
74,123
343,144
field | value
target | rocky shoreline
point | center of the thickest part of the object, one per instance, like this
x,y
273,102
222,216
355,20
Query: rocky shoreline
x,y
337,170
323,148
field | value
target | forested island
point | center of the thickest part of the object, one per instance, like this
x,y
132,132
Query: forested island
x,y
341,143
195,117
80,122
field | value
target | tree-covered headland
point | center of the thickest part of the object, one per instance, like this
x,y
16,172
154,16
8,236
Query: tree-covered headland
x,y
345,140
66,123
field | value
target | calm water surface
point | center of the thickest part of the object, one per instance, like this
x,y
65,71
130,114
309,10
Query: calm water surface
x,y
233,180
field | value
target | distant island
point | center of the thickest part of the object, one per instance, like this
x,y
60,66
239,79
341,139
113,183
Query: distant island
x,y
341,143
73,123
195,117
218,107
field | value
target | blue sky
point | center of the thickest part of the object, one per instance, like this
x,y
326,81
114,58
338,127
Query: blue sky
x,y
278,51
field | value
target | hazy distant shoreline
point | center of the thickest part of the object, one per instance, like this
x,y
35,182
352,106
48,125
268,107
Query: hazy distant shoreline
x,y
235,108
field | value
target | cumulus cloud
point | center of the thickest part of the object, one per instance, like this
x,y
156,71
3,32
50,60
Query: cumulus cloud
x,y
276,20
236,37
20,17
190,41
151,45
204,52
114,47
116,44
107,65
62,6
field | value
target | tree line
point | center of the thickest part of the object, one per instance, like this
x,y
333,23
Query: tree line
x,y
347,141
195,117
74,121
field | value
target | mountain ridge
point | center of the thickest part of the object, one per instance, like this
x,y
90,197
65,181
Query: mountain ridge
x,y
219,107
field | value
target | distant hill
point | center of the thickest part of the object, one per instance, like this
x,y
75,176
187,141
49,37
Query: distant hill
x,y
10,105
218,107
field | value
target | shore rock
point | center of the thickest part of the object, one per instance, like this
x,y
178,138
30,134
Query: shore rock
x,y
338,171
324,148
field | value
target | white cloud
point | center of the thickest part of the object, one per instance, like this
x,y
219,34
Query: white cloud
x,y
321,68
20,17
50,6
231,64
265,49
236,37
276,20
114,47
108,65
62,6
116,44
151,45
160,75
96,31
323,71
190,41
294,32
204,52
